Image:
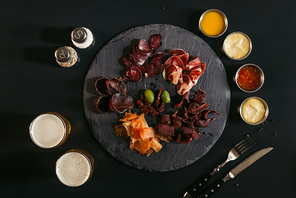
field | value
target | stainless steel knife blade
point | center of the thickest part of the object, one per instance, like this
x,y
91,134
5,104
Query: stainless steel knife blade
x,y
235,171
249,161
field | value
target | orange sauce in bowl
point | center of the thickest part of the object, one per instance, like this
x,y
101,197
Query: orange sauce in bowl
x,y
212,23
249,78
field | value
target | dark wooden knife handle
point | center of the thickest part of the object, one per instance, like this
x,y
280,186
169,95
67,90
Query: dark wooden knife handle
x,y
212,189
199,184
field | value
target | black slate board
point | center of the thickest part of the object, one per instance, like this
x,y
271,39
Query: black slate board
x,y
108,62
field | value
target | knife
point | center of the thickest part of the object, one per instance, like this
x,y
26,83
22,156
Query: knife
x,y
234,172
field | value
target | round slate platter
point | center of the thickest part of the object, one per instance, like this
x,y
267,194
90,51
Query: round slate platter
x,y
172,156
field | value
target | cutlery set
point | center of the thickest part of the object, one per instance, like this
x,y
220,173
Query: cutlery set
x,y
233,154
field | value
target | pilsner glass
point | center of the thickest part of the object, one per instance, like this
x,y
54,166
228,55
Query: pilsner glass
x,y
75,167
49,130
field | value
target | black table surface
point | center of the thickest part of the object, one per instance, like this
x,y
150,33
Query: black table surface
x,y
32,84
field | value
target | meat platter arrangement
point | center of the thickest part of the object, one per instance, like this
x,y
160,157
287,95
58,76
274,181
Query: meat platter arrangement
x,y
128,123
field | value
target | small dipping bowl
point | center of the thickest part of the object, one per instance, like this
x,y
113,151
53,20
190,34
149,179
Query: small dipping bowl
x,y
213,23
249,78
253,110
237,46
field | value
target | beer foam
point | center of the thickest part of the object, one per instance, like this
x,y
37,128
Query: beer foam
x,y
73,169
47,130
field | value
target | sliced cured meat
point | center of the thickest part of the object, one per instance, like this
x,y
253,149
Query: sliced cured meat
x,y
166,119
176,52
102,104
134,73
193,63
150,69
173,73
157,60
155,41
185,86
144,46
195,108
128,60
140,56
196,72
101,87
120,103
116,85
158,103
184,56
199,97
205,113
165,130
174,60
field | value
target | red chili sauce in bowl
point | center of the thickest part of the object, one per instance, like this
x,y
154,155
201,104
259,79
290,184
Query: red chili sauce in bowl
x,y
249,78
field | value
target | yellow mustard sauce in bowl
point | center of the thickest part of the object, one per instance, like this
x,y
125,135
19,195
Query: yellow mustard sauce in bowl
x,y
213,23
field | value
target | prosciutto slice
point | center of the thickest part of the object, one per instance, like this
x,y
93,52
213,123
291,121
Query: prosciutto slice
x,y
186,78
173,73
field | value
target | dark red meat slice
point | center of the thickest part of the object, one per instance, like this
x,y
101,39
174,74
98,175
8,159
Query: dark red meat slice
x,y
199,97
100,86
190,133
140,56
165,130
166,119
128,60
202,123
157,60
102,104
116,85
205,113
195,108
134,73
121,103
155,41
143,46
150,69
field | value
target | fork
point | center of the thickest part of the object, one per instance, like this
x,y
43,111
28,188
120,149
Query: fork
x,y
233,154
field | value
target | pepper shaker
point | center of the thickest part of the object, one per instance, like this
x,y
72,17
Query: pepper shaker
x,y
66,56
82,37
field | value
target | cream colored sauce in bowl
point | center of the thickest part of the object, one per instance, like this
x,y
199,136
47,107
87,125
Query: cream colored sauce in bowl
x,y
237,46
254,110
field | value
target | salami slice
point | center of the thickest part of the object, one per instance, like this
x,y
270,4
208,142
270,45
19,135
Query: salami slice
x,y
155,41
134,73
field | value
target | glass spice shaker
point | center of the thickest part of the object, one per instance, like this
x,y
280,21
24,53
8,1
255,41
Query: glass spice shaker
x,y
82,37
66,56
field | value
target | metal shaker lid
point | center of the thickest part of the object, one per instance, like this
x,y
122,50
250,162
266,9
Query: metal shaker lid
x,y
79,35
62,54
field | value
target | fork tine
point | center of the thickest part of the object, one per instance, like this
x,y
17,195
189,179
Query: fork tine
x,y
247,141
242,142
247,147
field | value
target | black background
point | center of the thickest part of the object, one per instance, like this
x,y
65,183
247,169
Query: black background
x,y
32,83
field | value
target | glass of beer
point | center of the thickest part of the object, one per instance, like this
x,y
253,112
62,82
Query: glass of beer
x,y
49,130
75,167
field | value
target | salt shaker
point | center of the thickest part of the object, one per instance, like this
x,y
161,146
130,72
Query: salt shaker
x,y
82,37
66,56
